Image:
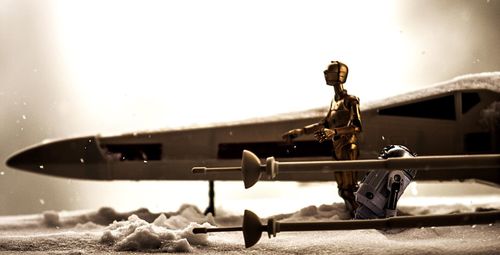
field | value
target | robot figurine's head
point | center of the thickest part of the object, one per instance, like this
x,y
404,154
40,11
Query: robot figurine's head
x,y
336,73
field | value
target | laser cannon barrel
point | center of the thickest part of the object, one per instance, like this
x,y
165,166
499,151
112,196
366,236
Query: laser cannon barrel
x,y
252,169
252,227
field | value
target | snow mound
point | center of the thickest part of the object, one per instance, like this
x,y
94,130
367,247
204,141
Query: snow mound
x,y
172,232
87,226
164,234
322,213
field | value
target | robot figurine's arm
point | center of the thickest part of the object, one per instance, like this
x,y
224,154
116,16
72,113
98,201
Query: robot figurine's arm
x,y
307,130
321,130
344,130
355,114
324,134
354,125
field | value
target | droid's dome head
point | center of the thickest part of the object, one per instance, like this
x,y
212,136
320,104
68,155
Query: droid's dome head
x,y
396,151
336,73
399,151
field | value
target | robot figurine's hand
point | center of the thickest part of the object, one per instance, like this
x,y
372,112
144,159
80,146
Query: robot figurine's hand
x,y
292,134
324,134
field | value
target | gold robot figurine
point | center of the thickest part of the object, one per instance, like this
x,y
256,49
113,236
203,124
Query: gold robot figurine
x,y
342,124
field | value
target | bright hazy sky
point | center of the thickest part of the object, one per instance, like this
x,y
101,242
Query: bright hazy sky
x,y
167,63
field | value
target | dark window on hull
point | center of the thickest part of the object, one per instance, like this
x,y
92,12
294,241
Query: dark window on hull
x,y
477,142
276,149
469,100
438,108
131,152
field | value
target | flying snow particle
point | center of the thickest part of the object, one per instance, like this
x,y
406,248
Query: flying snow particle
x,y
81,160
24,117
2,173
42,202
41,166
145,161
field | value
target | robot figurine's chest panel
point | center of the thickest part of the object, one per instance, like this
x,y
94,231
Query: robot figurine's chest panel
x,y
339,115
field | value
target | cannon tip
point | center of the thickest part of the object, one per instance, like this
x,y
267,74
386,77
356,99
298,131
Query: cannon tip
x,y
199,170
199,230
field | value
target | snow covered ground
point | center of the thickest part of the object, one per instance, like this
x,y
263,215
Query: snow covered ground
x,y
107,231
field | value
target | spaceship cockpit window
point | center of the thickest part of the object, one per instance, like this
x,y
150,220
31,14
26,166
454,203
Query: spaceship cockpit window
x,y
437,108
469,100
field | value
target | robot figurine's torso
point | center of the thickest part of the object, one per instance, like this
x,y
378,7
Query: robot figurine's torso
x,y
344,113
339,114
